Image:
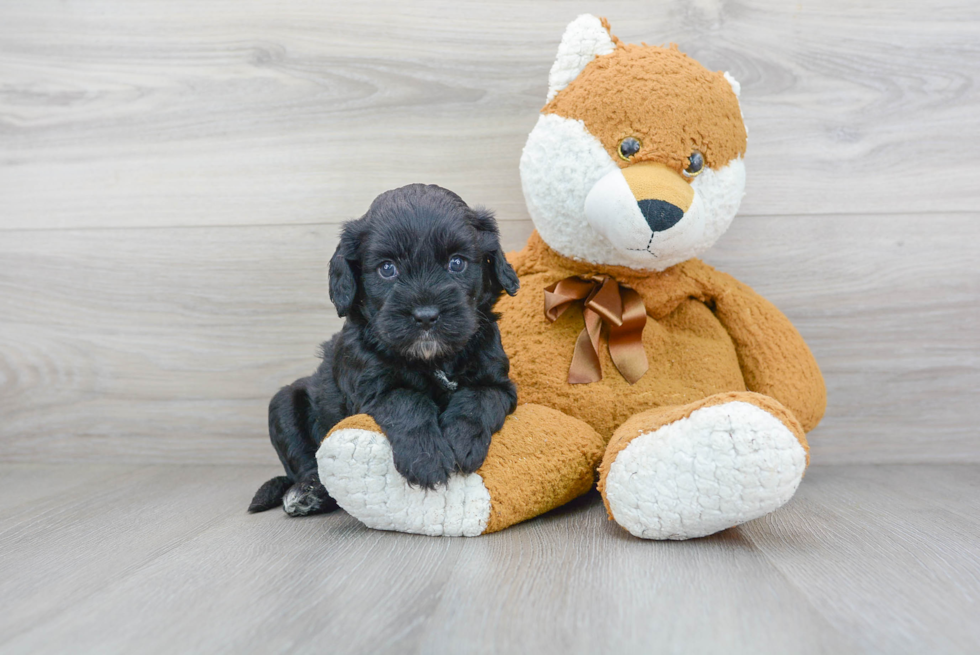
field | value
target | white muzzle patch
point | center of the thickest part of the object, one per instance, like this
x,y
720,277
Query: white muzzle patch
x,y
612,211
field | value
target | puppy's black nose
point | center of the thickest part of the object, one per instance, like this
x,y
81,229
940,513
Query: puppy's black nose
x,y
426,316
660,215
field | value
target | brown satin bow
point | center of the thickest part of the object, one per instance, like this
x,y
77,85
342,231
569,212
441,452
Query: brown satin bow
x,y
604,300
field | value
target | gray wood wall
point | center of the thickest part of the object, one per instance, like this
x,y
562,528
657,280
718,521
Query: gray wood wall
x,y
173,175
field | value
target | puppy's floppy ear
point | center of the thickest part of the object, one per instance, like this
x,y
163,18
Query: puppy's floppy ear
x,y
502,275
345,267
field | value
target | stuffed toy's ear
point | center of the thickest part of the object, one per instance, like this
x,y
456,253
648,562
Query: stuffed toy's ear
x,y
501,274
736,87
344,268
585,38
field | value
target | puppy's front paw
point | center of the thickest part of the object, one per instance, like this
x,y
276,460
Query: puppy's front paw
x,y
308,497
468,441
425,462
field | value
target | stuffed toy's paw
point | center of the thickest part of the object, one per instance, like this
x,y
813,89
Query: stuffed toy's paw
x,y
682,472
539,460
360,469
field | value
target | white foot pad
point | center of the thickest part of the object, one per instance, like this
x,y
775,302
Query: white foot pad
x,y
357,468
720,467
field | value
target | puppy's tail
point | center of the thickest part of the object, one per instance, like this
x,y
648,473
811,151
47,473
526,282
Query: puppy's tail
x,y
270,494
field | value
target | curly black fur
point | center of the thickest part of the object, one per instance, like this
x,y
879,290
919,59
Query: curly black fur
x,y
420,350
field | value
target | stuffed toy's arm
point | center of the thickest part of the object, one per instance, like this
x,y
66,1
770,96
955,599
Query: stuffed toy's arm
x,y
772,355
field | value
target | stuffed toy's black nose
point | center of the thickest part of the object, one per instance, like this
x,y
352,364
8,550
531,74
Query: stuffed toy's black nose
x,y
660,215
426,316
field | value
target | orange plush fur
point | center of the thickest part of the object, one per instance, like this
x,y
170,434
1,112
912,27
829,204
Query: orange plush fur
x,y
663,98
706,333
709,339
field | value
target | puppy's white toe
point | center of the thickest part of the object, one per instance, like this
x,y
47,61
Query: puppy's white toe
x,y
296,503
357,468
721,466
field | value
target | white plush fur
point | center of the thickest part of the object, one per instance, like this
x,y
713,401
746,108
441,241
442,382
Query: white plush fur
x,y
719,467
584,210
357,468
585,38
612,211
736,87
560,163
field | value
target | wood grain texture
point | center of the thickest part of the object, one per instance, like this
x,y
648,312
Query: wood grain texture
x,y
173,175
889,307
164,345
172,179
178,113
887,554
65,546
863,559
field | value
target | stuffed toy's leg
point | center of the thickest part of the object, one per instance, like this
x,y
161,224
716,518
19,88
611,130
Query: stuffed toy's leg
x,y
539,460
688,471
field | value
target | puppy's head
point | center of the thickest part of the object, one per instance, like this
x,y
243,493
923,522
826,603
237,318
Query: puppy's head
x,y
420,271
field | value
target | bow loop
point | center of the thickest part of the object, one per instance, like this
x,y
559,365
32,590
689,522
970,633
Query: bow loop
x,y
604,301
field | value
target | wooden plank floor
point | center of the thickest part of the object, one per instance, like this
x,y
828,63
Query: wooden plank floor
x,y
164,559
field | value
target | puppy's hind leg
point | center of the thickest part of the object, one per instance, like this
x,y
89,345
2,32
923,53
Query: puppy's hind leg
x,y
291,427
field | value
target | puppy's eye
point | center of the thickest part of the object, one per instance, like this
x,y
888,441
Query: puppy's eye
x,y
456,264
695,164
388,270
629,147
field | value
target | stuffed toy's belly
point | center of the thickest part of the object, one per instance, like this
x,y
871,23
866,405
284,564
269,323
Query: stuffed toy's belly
x,y
689,353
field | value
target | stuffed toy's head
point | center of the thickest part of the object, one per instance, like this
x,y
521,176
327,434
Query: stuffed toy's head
x,y
636,159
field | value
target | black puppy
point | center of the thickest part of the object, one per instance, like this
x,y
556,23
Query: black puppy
x,y
417,278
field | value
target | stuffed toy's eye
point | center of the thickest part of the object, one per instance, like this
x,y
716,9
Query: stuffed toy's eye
x,y
629,147
695,164
457,264
388,270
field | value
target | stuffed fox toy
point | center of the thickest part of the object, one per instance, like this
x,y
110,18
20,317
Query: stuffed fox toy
x,y
682,390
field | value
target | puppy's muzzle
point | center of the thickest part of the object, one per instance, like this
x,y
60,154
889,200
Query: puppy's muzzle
x,y
426,316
